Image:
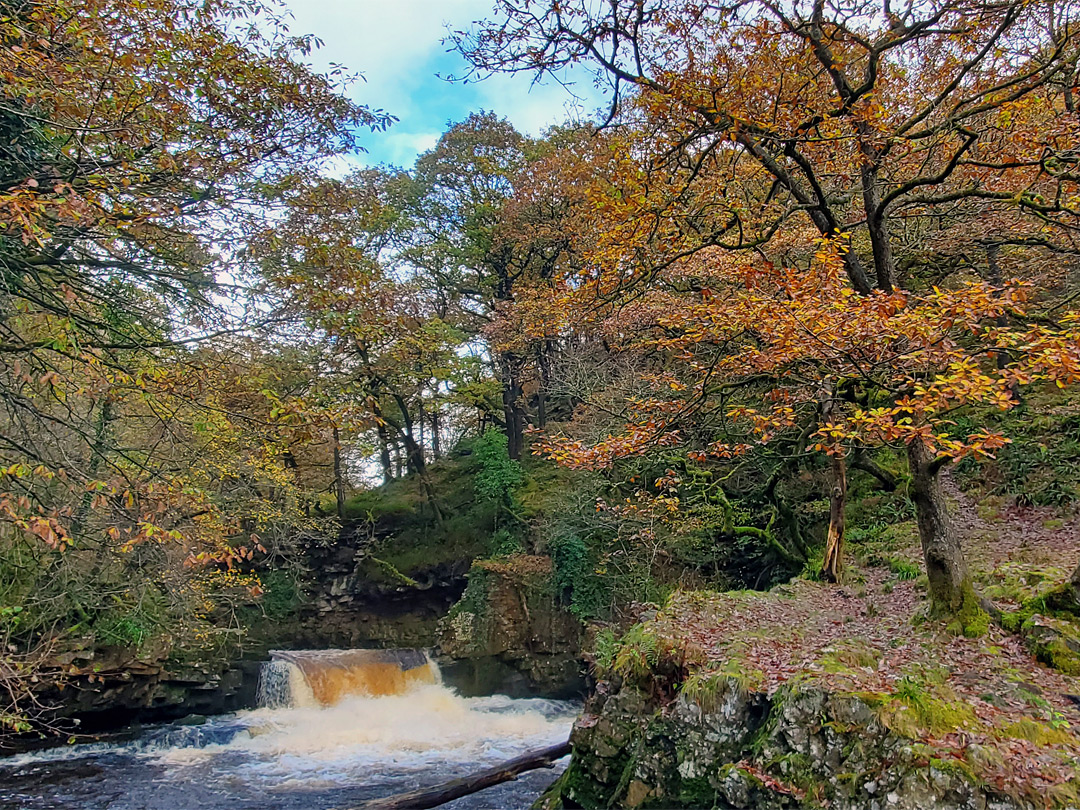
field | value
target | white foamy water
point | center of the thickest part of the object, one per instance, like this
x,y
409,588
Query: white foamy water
x,y
308,756
414,730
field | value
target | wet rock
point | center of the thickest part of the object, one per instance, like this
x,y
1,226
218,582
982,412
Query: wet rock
x,y
509,613
801,747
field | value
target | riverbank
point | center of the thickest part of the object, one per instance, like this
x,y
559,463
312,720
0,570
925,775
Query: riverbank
x,y
816,695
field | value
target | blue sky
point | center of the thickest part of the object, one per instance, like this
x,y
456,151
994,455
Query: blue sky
x,y
396,45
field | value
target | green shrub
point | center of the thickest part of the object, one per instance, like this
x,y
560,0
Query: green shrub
x,y
281,596
505,544
499,475
1041,464
577,585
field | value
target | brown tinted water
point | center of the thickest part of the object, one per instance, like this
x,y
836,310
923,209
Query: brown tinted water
x,y
335,728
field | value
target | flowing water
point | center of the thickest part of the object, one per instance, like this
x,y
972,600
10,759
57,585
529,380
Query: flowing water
x,y
334,728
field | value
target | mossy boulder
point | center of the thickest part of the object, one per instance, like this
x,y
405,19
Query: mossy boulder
x,y
509,611
801,747
1055,642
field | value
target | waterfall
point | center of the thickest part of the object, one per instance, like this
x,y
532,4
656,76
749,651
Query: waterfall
x,y
334,729
313,678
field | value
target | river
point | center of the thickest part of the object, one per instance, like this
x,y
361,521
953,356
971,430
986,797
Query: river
x,y
333,729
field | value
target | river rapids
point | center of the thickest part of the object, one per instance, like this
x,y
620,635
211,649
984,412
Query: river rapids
x,y
333,729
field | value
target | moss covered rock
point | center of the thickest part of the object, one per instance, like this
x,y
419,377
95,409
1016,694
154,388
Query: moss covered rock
x,y
509,612
1055,642
802,747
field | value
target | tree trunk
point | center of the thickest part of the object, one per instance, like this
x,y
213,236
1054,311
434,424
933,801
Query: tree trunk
x,y
436,444
414,457
420,419
416,463
884,263
545,384
339,476
514,418
384,454
425,798
880,243
994,277
950,588
832,567
97,455
863,462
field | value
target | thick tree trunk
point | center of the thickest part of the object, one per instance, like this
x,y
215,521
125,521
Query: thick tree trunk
x,y
832,567
950,588
884,263
880,242
817,207
339,477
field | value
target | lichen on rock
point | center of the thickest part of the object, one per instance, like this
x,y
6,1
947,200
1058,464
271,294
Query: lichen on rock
x,y
717,715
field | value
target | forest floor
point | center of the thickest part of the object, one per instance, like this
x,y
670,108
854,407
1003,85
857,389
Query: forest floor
x,y
984,703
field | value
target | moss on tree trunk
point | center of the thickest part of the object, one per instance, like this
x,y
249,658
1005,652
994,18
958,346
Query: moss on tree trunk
x,y
952,594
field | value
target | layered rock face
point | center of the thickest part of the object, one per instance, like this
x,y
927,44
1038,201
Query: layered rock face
x,y
738,749
103,695
509,617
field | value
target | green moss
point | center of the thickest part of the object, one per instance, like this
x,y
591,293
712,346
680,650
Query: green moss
x,y
801,771
409,537
580,788
954,767
848,655
708,688
918,707
1060,656
698,793
1064,794
385,573
552,798
1058,603
1037,732
969,619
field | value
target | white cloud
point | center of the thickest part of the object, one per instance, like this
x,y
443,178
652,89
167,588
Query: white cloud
x,y
386,40
394,43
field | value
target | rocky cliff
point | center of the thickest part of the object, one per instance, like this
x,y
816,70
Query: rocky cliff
x,y
509,615
734,748
816,696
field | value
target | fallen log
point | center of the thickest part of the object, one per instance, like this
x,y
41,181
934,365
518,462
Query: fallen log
x,y
423,798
